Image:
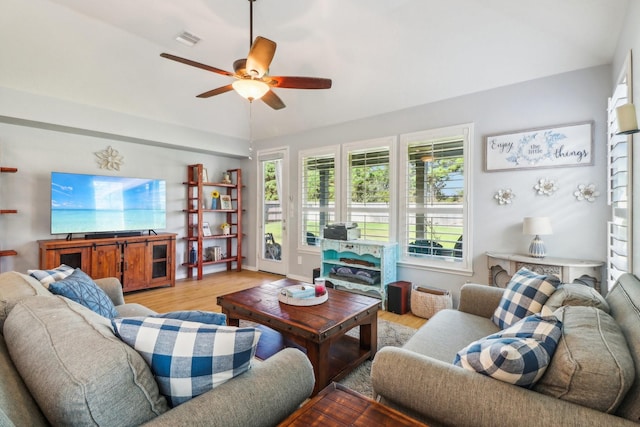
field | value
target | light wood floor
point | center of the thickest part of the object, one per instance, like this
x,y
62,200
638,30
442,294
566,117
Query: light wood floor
x,y
190,294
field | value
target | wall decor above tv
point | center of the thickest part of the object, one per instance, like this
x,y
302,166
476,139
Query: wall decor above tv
x,y
106,204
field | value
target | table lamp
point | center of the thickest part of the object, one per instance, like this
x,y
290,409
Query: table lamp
x,y
537,226
627,119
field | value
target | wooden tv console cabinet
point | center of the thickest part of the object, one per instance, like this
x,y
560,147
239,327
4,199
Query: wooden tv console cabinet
x,y
140,262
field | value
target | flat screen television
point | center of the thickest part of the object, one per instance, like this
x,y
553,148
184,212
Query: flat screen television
x,y
106,204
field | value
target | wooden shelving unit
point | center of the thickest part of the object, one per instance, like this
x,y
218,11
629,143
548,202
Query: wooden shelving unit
x,y
8,252
198,214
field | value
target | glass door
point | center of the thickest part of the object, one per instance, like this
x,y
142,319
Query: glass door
x,y
272,226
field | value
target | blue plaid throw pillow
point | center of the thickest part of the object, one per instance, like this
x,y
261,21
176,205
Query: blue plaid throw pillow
x,y
517,355
49,276
526,293
188,358
82,289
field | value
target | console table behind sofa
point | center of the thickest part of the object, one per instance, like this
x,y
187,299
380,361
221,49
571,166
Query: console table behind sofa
x,y
567,270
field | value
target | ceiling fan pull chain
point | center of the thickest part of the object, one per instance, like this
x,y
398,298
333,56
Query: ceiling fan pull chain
x,y
250,129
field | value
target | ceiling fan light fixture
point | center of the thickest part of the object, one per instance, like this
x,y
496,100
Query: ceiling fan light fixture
x,y
250,89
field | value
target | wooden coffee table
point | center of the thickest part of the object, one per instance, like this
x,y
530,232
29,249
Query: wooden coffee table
x,y
318,330
338,406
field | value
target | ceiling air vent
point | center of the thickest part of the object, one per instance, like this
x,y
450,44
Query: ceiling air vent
x,y
188,38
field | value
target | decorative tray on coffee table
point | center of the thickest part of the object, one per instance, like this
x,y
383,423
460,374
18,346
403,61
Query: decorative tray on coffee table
x,y
284,298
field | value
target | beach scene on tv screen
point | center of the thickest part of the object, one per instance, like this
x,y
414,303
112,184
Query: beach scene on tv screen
x,y
92,203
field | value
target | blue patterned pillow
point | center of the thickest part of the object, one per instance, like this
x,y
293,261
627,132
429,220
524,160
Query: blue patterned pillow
x,y
80,288
47,277
208,317
188,358
517,355
526,293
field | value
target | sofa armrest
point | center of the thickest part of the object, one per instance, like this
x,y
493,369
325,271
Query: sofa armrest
x,y
263,396
481,300
113,288
449,395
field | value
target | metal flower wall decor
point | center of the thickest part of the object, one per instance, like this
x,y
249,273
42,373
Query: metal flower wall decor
x,y
586,192
545,187
504,196
109,158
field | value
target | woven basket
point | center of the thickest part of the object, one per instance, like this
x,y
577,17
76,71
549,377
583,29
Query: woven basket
x,y
424,304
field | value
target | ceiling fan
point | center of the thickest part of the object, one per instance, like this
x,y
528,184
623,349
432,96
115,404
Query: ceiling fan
x,y
252,73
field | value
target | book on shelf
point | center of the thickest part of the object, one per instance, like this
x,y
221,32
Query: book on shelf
x,y
214,253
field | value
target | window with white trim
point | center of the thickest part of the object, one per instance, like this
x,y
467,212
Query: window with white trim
x,y
318,193
369,179
620,183
434,198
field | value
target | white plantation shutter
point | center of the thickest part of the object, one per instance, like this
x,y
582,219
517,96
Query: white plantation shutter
x,y
368,185
434,199
317,194
619,179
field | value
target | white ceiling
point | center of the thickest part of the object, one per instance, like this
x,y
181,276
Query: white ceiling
x,y
382,55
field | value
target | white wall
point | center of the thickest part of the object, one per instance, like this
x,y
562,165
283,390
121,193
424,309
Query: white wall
x,y
630,41
37,152
579,227
26,108
580,230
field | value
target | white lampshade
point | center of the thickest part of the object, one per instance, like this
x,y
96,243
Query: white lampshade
x,y
537,225
250,89
627,119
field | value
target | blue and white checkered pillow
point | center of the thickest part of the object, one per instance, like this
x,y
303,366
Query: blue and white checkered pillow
x,y
49,276
517,355
188,358
526,293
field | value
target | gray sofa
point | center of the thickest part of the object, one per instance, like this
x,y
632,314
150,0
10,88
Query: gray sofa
x,y
420,379
61,364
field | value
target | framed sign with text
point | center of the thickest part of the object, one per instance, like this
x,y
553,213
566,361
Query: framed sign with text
x,y
566,145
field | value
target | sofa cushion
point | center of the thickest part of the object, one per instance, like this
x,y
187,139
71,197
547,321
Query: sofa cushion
x,y
517,355
80,288
574,294
17,407
525,294
77,370
15,286
132,309
189,358
46,277
624,305
447,332
592,365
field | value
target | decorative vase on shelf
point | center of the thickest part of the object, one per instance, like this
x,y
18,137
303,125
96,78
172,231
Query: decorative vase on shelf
x,y
226,178
226,230
214,203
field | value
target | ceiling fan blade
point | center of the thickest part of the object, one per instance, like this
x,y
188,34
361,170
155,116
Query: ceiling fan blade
x,y
260,56
299,82
273,100
196,64
214,92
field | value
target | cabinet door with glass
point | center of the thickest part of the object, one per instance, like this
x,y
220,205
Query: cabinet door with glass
x,y
159,256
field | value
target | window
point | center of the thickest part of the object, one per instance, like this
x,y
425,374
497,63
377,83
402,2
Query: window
x,y
369,180
619,179
434,198
318,193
